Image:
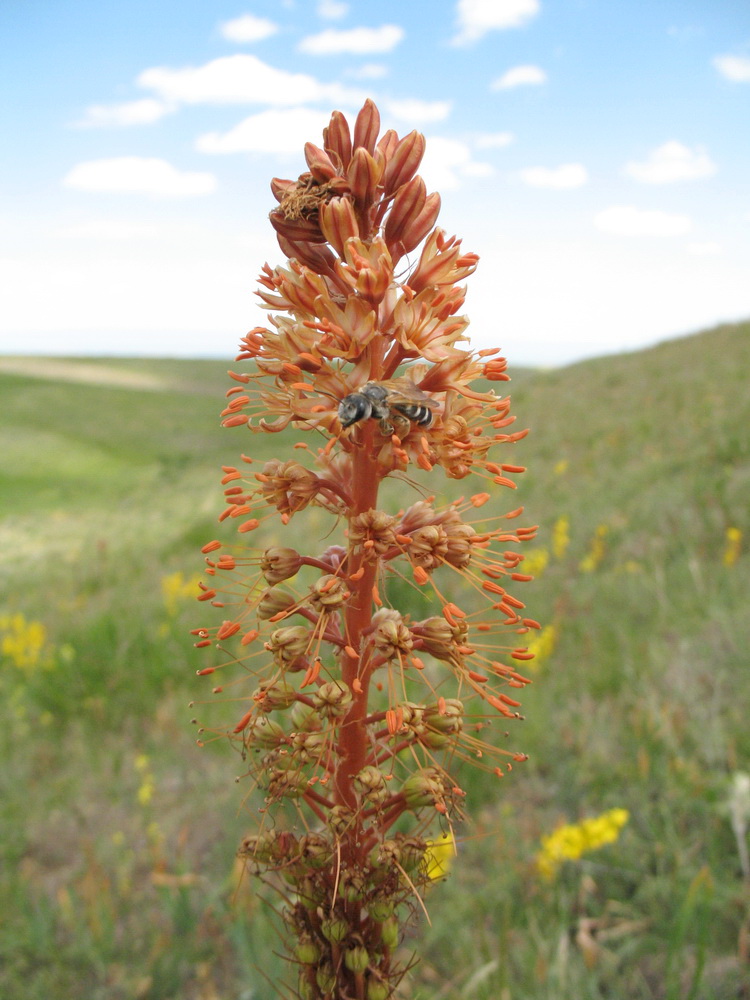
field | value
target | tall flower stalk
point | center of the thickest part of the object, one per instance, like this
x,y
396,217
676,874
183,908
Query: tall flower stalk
x,y
351,712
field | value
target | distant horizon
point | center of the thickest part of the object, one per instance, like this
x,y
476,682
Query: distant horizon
x,y
513,362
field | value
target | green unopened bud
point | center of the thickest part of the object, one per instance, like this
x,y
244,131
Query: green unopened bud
x,y
264,734
334,929
391,637
308,746
289,784
371,784
279,563
273,601
357,959
332,699
353,888
446,717
304,718
305,989
307,951
389,933
377,990
315,849
340,819
380,909
411,851
288,643
270,697
258,847
425,788
325,977
439,637
329,592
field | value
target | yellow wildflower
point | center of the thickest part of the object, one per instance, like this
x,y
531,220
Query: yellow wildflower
x,y
541,645
596,552
439,855
572,840
560,536
733,538
24,643
176,589
535,561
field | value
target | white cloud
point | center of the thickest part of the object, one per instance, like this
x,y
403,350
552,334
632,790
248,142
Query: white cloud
x,y
332,10
368,71
143,112
626,220
241,79
519,76
248,28
494,140
567,175
672,162
477,17
274,131
356,40
135,174
707,249
447,162
735,68
417,112
106,229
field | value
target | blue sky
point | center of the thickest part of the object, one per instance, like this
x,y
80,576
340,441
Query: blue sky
x,y
594,153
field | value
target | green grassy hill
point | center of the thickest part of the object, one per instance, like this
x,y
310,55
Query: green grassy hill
x,y
117,834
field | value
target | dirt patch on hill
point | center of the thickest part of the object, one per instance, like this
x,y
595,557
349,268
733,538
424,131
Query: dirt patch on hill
x,y
90,372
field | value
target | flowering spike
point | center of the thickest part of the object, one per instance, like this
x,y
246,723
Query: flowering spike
x,y
357,712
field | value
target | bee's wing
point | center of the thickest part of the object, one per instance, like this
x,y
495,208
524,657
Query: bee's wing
x,y
403,392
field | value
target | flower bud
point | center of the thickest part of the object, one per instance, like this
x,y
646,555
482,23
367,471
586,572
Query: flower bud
x,y
271,697
264,734
340,819
315,850
304,718
329,593
288,486
374,530
356,959
273,601
380,909
389,933
428,546
279,563
325,979
288,644
371,784
306,951
286,784
332,699
377,990
404,162
425,788
439,637
339,223
391,637
449,720
334,929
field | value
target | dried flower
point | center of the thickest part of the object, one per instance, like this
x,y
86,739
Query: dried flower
x,y
360,709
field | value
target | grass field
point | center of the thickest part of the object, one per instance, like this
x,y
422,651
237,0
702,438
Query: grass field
x,y
118,835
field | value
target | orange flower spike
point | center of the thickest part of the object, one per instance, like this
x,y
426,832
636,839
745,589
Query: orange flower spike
x,y
346,313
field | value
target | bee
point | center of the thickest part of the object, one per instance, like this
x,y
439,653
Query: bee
x,y
394,403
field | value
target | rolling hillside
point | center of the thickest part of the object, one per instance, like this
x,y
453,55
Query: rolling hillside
x,y
118,834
